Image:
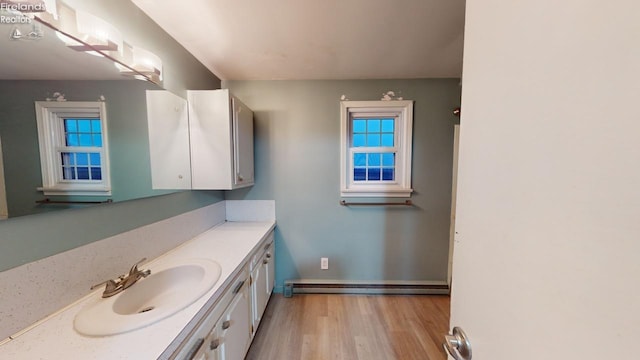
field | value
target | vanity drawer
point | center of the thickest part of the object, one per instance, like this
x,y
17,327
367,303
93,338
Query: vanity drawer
x,y
267,246
194,346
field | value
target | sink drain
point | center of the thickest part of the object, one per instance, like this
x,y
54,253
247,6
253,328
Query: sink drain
x,y
146,309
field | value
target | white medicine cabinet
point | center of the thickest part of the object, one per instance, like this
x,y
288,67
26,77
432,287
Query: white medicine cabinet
x,y
221,136
168,123
211,134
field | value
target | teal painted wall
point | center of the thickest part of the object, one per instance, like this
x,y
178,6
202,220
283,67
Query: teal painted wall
x,y
32,237
28,238
297,154
128,138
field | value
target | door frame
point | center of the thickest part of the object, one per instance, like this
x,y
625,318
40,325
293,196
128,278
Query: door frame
x,y
454,188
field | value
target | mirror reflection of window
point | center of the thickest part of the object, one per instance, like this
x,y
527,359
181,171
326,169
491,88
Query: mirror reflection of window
x,y
73,148
81,158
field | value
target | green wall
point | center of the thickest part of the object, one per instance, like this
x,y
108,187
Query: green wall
x,y
128,138
297,149
28,238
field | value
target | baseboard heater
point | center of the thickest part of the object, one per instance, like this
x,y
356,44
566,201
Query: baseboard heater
x,y
311,286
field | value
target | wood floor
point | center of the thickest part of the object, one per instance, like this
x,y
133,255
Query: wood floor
x,y
350,327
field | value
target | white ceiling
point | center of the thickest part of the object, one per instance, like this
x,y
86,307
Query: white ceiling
x,y
317,39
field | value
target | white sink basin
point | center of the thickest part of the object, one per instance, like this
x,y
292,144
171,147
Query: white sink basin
x,y
169,289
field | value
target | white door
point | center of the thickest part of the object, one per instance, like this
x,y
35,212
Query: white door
x,y
454,188
545,262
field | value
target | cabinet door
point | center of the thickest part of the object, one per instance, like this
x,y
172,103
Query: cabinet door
x,y
258,291
243,143
234,327
270,269
211,347
168,125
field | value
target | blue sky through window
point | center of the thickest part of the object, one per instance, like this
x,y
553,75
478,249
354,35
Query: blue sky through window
x,y
83,132
373,132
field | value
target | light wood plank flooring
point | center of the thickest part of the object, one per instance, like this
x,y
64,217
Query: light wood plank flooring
x,y
350,327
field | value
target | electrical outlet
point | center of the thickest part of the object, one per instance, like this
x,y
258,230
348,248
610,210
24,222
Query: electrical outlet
x,y
324,263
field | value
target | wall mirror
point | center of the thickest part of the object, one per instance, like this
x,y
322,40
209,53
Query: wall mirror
x,y
37,65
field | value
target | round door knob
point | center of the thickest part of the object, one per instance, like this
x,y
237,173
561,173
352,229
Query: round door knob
x,y
457,344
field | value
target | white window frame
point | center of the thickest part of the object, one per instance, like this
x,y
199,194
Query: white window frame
x,y
402,111
50,117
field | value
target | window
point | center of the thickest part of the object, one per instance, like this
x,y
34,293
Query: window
x,y
376,148
73,148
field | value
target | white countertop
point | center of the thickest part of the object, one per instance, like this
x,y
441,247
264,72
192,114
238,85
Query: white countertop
x,y
230,244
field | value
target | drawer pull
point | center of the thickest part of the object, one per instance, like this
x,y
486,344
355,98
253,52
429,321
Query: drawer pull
x,y
226,324
265,261
268,255
214,344
238,287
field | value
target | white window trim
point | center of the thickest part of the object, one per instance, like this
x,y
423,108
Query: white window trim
x,y
51,133
403,111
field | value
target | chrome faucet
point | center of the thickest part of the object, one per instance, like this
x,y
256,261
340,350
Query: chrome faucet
x,y
123,282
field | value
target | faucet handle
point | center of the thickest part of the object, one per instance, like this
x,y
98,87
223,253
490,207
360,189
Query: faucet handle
x,y
107,282
134,268
112,287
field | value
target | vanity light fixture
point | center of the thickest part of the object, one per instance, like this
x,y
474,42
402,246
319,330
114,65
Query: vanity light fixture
x,y
85,32
95,33
51,8
142,61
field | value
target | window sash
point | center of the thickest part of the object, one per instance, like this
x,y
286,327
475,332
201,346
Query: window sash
x,y
402,114
51,136
80,150
373,150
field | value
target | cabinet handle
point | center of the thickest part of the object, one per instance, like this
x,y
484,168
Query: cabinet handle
x,y
240,178
238,287
268,246
226,324
268,255
194,349
265,261
214,344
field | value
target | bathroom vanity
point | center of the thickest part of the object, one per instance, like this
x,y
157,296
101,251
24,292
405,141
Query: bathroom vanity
x,y
218,325
228,328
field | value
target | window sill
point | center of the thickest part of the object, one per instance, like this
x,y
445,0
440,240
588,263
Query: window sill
x,y
400,193
76,192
